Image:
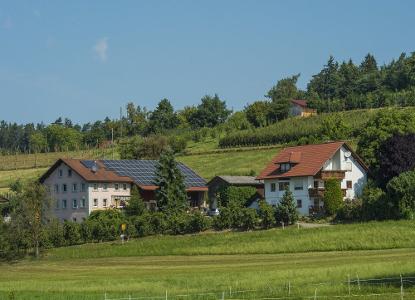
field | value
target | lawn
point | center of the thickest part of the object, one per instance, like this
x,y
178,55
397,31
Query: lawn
x,y
233,265
8,177
229,163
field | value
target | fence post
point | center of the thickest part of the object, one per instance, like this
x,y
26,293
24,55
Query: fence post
x,y
401,288
105,295
230,291
289,288
166,294
315,294
348,282
223,295
358,281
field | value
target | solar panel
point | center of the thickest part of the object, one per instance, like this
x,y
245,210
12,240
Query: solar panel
x,y
144,171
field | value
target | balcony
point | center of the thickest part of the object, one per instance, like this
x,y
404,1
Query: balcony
x,y
319,192
331,174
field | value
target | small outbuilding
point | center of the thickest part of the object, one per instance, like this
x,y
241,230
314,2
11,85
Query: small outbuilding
x,y
223,181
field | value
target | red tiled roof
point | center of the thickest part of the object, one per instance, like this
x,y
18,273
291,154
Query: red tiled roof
x,y
309,160
302,103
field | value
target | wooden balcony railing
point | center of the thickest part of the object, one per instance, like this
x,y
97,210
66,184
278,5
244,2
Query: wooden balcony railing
x,y
333,174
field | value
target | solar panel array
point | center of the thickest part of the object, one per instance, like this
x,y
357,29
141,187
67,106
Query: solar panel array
x,y
144,171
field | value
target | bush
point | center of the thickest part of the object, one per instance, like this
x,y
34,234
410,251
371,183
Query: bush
x,y
401,193
374,203
266,214
249,219
333,197
71,233
224,220
55,233
198,223
351,210
235,196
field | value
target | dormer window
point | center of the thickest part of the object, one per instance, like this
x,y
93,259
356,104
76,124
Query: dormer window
x,y
284,167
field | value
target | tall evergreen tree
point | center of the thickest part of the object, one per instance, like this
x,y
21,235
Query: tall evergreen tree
x,y
135,206
326,83
171,195
286,210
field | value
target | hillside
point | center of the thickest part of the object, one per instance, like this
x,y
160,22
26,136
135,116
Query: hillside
x,y
243,265
244,153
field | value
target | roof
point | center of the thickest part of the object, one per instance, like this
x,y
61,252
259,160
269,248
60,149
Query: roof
x,y
302,103
140,172
238,180
308,160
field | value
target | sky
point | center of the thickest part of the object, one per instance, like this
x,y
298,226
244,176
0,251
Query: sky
x,y
86,59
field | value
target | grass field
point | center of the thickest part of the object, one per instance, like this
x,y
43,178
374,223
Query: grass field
x,y
260,263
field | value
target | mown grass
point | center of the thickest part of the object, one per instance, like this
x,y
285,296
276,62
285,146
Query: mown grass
x,y
8,177
229,163
261,263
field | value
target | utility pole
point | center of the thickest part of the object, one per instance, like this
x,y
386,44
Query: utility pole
x,y
120,121
112,142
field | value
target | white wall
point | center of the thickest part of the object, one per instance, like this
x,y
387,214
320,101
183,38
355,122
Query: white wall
x,y
80,213
69,213
273,198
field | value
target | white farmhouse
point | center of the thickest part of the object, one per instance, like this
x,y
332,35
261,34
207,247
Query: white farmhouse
x,y
305,168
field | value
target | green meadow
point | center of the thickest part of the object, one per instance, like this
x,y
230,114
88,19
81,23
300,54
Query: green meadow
x,y
294,263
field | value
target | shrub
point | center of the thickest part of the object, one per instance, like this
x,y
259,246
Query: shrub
x,y
71,233
235,196
55,232
249,219
266,214
374,203
286,210
351,210
224,220
401,192
198,222
333,197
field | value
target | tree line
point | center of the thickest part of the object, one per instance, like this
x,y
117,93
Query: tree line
x,y
338,86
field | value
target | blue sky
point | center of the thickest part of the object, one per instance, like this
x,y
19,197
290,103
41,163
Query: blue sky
x,y
86,59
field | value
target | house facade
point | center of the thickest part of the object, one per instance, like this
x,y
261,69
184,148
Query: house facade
x,y
300,108
304,169
79,187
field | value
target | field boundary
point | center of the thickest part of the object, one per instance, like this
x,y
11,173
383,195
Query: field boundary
x,y
353,289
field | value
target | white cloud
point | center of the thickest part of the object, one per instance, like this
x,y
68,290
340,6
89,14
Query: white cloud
x,y
7,23
101,48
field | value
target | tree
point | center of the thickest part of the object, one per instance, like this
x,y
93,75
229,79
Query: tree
x,y
326,83
396,155
333,197
162,118
137,119
135,206
211,112
257,113
333,128
31,214
401,192
280,95
378,129
37,142
286,210
171,193
266,214
369,77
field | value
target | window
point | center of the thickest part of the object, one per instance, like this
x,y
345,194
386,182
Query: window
x,y
64,187
104,202
105,186
57,203
316,184
64,203
283,185
272,187
116,186
83,202
95,202
74,203
74,187
299,203
95,186
285,167
69,173
56,188
60,172
74,219
349,184
298,185
83,187
124,186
